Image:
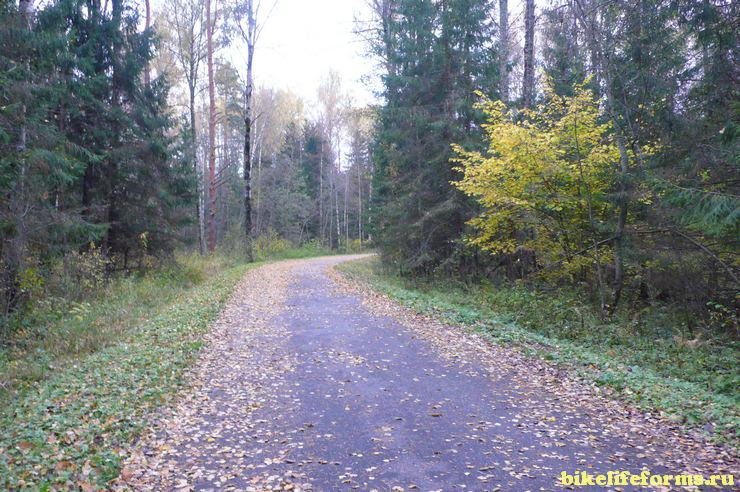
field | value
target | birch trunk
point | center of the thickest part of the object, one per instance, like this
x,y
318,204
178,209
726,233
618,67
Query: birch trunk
x,y
346,216
321,190
211,133
147,25
251,40
359,203
194,154
528,82
503,16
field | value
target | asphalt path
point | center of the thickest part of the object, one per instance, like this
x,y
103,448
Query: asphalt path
x,y
308,385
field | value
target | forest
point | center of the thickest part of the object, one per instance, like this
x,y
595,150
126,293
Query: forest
x,y
606,157
123,141
568,165
608,161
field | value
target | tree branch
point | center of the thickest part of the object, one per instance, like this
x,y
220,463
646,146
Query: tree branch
x,y
699,245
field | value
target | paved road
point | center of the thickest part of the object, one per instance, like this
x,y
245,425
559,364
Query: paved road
x,y
322,391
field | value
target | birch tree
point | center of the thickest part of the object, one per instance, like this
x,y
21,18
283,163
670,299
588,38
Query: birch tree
x,y
333,105
249,14
184,23
528,82
503,64
211,131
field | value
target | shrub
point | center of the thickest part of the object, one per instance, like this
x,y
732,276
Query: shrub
x,y
270,245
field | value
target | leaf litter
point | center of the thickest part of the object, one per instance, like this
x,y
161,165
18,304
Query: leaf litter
x,y
309,381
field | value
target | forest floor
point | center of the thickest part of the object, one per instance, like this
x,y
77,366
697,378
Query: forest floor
x,y
309,381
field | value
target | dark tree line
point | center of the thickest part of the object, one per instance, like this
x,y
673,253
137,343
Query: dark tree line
x,y
95,157
665,76
86,153
435,55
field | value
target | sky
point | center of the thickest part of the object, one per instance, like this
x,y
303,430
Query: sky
x,y
303,39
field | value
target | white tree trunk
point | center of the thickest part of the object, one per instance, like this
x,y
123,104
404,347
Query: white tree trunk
x,y
503,66
211,133
528,82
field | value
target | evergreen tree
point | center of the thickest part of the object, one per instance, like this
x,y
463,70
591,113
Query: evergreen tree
x,y
87,154
38,162
442,51
563,52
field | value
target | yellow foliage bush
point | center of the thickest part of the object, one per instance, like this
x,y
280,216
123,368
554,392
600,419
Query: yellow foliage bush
x,y
270,244
544,181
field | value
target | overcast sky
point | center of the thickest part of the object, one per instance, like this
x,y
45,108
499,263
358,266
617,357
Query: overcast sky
x,y
303,39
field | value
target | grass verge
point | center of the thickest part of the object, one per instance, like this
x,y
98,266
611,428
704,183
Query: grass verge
x,y
637,359
78,388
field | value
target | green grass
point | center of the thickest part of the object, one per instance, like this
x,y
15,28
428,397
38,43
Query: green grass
x,y
78,381
634,357
57,331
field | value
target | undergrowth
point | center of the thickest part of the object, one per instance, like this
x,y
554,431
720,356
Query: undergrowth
x,y
79,378
641,357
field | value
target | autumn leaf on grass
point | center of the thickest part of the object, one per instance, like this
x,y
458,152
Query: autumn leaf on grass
x,y
65,465
24,446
